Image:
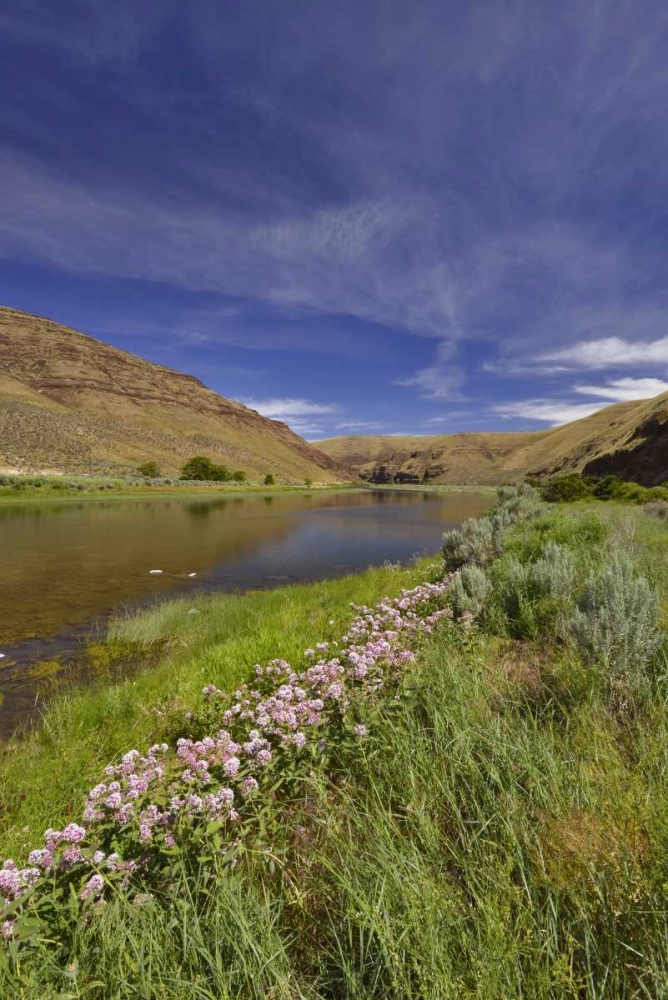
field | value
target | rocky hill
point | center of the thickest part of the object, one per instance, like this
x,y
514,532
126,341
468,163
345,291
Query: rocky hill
x,y
70,402
627,439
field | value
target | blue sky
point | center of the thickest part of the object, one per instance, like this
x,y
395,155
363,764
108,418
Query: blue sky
x,y
362,216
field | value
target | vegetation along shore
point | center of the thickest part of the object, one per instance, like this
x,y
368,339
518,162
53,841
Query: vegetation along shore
x,y
452,787
22,488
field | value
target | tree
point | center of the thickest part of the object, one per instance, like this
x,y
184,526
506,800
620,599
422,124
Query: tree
x,y
239,476
198,467
308,482
269,479
151,470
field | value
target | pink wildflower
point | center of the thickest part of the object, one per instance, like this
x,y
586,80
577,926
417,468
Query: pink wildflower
x,y
93,887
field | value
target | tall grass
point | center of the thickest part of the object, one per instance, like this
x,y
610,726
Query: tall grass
x,y
501,833
45,776
496,838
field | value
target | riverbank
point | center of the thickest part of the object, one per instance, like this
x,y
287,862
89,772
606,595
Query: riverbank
x,y
490,824
82,730
23,489
67,567
432,488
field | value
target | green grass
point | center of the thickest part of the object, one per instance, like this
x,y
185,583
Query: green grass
x,y
501,834
46,489
45,776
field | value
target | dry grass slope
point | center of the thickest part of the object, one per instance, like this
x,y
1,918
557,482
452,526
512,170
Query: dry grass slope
x,y
70,402
628,439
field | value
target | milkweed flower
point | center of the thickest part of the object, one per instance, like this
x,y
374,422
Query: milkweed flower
x,y
93,887
284,710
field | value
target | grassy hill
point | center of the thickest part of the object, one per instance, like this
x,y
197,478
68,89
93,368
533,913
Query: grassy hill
x,y
628,439
70,402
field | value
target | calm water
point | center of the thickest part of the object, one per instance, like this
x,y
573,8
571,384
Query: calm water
x,y
64,567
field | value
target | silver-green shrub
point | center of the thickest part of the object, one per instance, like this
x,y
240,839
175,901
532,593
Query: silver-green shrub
x,y
536,596
657,509
469,590
475,543
480,540
617,621
554,574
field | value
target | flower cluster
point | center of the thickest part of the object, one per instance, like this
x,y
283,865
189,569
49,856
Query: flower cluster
x,y
152,803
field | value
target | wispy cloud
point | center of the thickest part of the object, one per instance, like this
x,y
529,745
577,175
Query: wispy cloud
x,y
550,411
443,378
486,175
359,425
101,32
610,352
563,411
287,409
625,389
298,414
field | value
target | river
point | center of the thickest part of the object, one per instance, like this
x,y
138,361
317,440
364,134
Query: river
x,y
66,566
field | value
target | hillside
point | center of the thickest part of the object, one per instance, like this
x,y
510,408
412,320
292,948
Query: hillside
x,y
70,402
628,439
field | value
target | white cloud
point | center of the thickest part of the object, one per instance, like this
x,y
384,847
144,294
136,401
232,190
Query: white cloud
x,y
286,409
550,411
442,379
295,413
557,412
359,425
625,389
401,203
611,352
305,429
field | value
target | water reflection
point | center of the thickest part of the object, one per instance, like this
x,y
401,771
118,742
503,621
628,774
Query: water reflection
x,y
64,564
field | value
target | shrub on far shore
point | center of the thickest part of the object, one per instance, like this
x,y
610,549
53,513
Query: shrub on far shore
x,y
566,489
150,470
199,468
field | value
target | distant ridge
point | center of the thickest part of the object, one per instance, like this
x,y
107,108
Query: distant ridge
x,y
72,403
627,439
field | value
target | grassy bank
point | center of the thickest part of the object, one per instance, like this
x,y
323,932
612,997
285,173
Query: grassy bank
x,y
496,829
83,730
21,489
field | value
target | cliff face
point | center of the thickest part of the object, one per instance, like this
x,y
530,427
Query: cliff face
x,y
644,457
627,439
68,401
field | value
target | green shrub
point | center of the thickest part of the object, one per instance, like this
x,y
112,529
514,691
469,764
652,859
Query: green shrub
x,y
202,469
534,598
480,540
657,509
239,476
565,489
469,590
150,470
617,621
269,479
472,544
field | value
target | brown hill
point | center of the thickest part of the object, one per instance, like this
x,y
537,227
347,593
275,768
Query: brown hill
x,y
628,439
72,403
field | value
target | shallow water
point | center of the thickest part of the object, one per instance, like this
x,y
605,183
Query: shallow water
x,y
66,566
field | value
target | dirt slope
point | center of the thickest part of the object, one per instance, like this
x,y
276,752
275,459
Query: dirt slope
x,y
70,402
629,439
